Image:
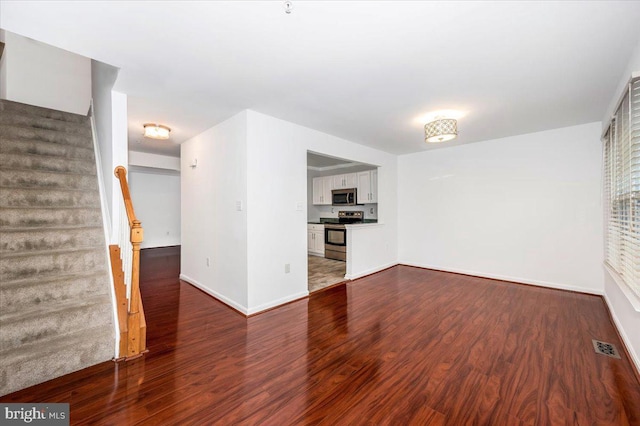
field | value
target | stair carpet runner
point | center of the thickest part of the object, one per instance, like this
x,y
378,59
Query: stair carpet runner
x,y
56,312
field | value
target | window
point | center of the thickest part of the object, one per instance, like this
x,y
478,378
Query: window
x,y
622,188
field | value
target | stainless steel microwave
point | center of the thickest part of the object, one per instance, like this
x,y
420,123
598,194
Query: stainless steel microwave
x,y
344,197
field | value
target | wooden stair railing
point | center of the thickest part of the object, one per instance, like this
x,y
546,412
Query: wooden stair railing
x,y
125,265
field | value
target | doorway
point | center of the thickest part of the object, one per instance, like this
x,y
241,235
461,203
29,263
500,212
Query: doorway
x,y
325,174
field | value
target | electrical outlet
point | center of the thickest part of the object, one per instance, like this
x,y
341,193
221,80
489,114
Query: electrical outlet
x,y
239,205
299,207
287,268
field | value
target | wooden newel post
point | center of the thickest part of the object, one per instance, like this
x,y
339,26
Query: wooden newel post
x,y
136,329
135,342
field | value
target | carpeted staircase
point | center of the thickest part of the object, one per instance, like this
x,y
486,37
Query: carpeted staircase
x,y
56,312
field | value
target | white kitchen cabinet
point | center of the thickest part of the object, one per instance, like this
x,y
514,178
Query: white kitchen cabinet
x,y
315,240
317,190
374,186
368,187
322,187
346,181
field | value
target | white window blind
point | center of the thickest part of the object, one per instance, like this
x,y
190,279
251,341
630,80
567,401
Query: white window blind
x,y
622,188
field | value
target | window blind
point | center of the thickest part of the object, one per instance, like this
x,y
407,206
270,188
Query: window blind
x,y
622,188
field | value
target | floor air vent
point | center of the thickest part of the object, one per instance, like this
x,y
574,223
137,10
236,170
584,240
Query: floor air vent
x,y
605,348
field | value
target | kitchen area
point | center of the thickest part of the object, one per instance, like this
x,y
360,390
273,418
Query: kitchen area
x,y
341,193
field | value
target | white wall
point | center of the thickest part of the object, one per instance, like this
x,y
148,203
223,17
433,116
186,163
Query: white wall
x,y
211,225
277,184
261,162
632,69
119,156
103,77
524,208
39,74
3,69
624,306
156,199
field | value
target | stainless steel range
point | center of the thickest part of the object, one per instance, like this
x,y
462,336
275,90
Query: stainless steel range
x,y
335,234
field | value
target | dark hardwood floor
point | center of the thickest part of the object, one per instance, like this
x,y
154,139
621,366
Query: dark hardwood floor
x,y
404,346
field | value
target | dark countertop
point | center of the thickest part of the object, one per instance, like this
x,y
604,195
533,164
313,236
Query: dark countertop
x,y
324,220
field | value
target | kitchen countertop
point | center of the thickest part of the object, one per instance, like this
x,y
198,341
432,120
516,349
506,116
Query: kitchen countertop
x,y
324,220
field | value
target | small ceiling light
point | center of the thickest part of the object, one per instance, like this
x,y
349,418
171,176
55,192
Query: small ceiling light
x,y
288,7
156,131
441,130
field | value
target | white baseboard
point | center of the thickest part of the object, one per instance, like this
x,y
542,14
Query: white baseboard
x,y
369,271
559,286
238,307
278,302
627,342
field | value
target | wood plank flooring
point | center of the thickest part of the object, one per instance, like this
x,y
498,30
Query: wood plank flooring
x,y
325,272
402,347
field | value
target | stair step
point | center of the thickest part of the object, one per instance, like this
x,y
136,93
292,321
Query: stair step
x,y
9,131
20,118
21,295
46,163
38,197
38,362
20,108
11,217
45,179
52,238
26,265
19,328
36,147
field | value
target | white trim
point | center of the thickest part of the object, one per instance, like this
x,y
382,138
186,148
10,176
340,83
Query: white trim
x,y
243,309
238,307
369,271
559,286
625,339
629,294
278,302
106,228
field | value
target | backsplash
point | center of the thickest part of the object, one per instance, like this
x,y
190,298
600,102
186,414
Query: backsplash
x,y
316,212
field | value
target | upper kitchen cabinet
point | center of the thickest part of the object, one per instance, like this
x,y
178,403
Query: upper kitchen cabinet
x,y
367,187
322,187
349,180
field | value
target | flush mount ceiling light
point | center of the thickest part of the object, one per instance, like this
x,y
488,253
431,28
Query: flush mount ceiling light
x,y
156,131
441,130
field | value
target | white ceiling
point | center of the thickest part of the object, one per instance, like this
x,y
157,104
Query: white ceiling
x,y
361,70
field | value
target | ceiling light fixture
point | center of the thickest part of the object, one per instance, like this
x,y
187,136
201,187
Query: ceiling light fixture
x,y
441,130
156,131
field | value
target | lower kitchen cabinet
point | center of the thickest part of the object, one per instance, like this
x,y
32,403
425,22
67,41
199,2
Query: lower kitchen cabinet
x,y
315,240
